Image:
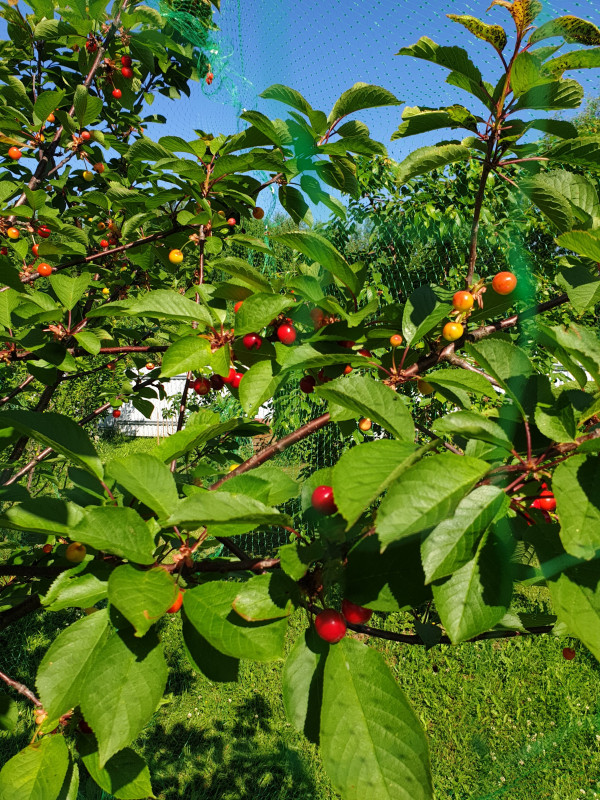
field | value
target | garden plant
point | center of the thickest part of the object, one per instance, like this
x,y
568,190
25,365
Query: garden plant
x,y
125,261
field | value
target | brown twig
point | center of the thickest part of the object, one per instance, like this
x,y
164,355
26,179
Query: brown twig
x,y
21,689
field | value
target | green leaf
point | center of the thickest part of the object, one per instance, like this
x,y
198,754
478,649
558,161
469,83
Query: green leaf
x,y
390,581
582,345
550,96
452,58
370,398
363,703
290,97
426,494
147,479
575,486
554,205
294,203
452,543
9,713
455,384
243,271
417,120
525,74
130,676
144,149
80,103
223,514
160,303
493,34
206,658
508,365
64,670
81,586
188,354
269,596
142,596
58,432
581,152
125,775
363,473
297,557
422,312
209,609
42,515
576,59
117,530
476,596
572,29
426,159
46,103
555,127
581,284
319,249
89,341
472,424
361,95
586,243
302,683
556,420
258,386
258,310
37,772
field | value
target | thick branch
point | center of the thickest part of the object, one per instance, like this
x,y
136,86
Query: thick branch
x,y
17,390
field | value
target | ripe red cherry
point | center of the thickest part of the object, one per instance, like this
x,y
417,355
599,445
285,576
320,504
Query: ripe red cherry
x,y
504,282
4,251
34,249
237,306
176,605
14,153
127,72
47,548
217,382
125,61
86,136
202,386
357,615
546,501
231,222
286,334
237,379
44,269
103,243
347,369
330,625
568,653
322,378
117,94
44,231
116,413
307,384
396,340
231,376
258,212
346,343
323,502
463,301
252,341
365,353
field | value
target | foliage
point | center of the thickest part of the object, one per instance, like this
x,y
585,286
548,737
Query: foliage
x,y
450,518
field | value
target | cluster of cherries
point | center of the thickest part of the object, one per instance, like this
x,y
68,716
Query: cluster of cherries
x,y
285,332
126,72
503,283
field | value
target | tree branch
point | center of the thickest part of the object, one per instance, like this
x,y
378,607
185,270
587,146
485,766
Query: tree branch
x,y
21,689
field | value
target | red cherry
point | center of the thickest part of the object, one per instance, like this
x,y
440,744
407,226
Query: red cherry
x,y
347,343
125,61
83,727
117,94
317,315
176,605
286,334
127,72
4,250
44,269
116,413
546,501
347,369
396,340
44,231
231,376
217,382
103,243
323,502
569,653
86,136
35,249
237,379
322,378
357,615
237,306
201,386
47,548
307,384
330,625
209,78
252,341
365,353
504,282
462,301
14,153
231,222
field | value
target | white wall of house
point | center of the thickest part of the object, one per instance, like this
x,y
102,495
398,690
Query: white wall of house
x,y
162,423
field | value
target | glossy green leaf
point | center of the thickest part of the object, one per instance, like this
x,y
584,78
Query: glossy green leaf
x,y
452,58
269,596
423,311
472,424
493,34
147,479
9,713
572,29
142,596
64,670
506,363
452,543
258,310
554,205
243,271
205,658
37,772
69,290
576,59
125,776
361,95
209,608
370,398
224,514
426,159
81,586
42,515
363,703
426,494
575,486
117,530
288,96
581,152
302,683
586,243
188,354
130,676
319,249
